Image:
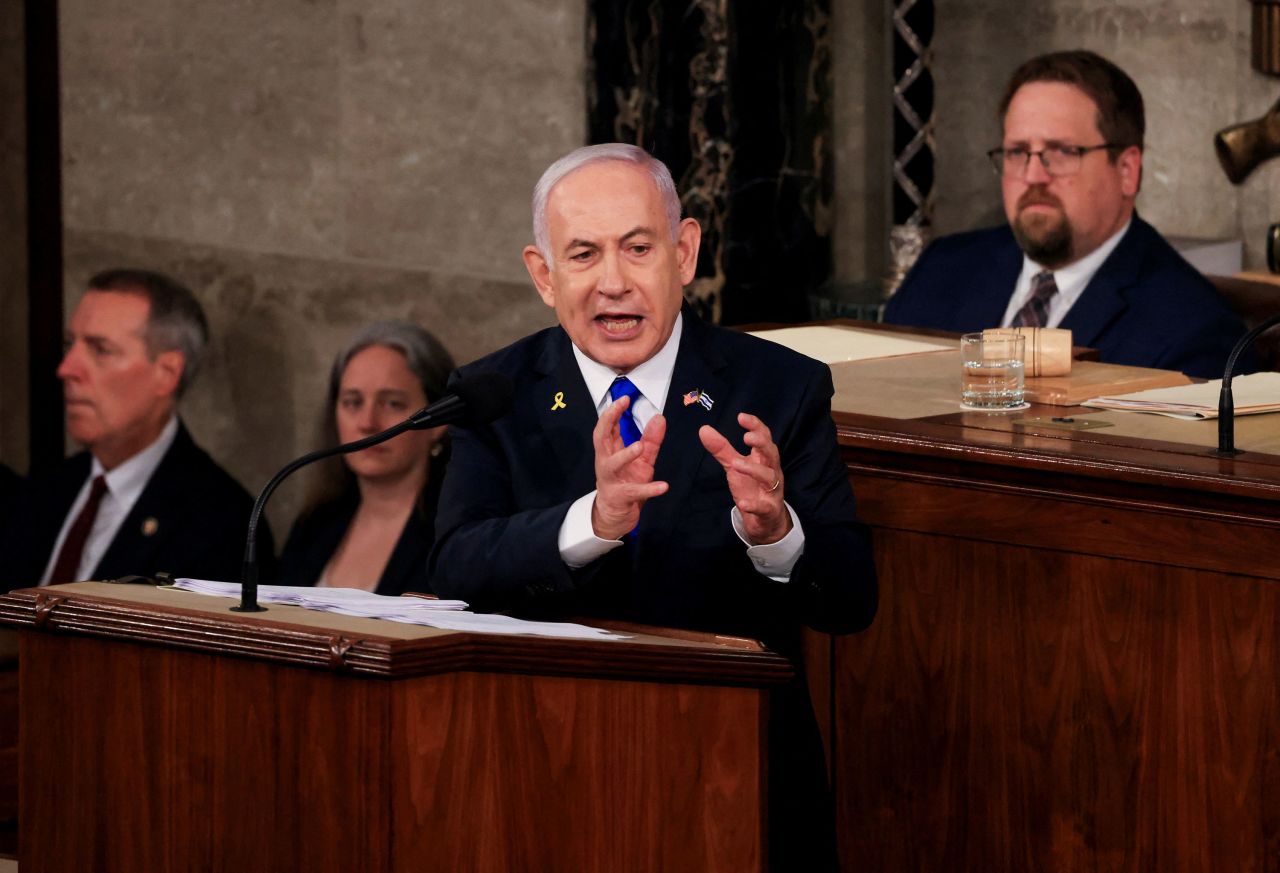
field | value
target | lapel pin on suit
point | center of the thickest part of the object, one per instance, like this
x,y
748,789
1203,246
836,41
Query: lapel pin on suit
x,y
558,401
149,526
700,397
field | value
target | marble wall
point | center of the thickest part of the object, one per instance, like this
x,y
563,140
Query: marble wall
x,y
309,166
861,138
13,241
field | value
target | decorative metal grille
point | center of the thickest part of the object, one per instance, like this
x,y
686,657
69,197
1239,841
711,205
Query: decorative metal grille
x,y
913,142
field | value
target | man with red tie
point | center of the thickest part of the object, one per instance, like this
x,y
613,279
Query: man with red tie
x,y
1074,254
142,498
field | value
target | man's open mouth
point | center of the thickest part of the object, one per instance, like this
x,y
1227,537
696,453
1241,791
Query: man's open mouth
x,y
618,323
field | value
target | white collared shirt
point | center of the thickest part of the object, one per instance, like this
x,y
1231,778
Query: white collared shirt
x,y
124,486
578,543
1071,280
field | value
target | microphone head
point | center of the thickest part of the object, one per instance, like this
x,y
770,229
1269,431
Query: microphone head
x,y
485,396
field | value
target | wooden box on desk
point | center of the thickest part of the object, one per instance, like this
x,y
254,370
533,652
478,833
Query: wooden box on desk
x,y
159,731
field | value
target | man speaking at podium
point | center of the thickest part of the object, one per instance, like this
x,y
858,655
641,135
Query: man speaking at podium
x,y
655,468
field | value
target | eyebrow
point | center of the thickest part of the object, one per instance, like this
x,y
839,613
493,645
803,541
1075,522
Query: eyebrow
x,y
380,393
588,244
1048,143
101,339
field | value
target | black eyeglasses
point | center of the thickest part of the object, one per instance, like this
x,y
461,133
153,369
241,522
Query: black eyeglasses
x,y
1057,160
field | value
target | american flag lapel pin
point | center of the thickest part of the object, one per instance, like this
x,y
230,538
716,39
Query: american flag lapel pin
x,y
700,397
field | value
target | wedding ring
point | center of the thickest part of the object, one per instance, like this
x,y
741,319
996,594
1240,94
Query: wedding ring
x,y
776,483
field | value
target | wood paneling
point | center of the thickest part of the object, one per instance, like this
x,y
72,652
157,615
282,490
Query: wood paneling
x,y
1174,530
1015,709
578,775
152,759
147,757
1075,663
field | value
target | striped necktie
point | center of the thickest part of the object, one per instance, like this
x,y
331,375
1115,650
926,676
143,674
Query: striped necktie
x,y
1035,312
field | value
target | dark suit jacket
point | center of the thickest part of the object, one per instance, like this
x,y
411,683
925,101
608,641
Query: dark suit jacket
x,y
1145,306
510,484
315,537
200,518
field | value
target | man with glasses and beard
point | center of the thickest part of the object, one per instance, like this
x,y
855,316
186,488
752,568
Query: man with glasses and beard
x,y
1074,254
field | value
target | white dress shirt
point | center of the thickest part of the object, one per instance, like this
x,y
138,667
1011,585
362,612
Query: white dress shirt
x,y
578,543
1071,281
124,486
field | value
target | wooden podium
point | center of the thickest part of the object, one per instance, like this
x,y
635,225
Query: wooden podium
x,y
160,731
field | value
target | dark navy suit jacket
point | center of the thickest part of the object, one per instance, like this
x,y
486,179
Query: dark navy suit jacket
x,y
1145,306
190,520
510,484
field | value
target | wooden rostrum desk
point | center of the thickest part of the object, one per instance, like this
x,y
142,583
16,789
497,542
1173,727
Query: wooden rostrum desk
x,y
1074,668
1076,662
161,732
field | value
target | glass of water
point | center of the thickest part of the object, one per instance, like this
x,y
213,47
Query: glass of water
x,y
991,370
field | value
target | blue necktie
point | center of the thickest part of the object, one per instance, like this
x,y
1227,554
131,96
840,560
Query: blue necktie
x,y
624,387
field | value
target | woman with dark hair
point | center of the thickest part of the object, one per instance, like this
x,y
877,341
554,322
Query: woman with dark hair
x,y
369,523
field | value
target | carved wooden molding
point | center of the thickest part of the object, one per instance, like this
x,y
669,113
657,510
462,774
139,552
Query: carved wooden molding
x,y
644,659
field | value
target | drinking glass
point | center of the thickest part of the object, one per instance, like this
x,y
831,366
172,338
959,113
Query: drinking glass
x,y
991,370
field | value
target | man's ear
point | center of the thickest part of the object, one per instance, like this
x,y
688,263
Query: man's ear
x,y
540,273
1130,166
168,367
687,242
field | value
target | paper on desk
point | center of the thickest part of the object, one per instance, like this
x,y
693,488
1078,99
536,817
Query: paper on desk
x,y
443,614
316,598
834,345
1252,394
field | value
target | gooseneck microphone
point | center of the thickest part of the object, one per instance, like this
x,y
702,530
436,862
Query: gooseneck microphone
x,y
1226,404
475,399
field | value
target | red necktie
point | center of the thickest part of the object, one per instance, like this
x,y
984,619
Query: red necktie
x,y
64,569
1035,313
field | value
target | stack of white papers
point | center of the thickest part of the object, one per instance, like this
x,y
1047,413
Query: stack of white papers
x,y
443,614
348,601
1251,395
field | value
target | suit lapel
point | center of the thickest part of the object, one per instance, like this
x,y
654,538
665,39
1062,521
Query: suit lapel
x,y
985,303
564,411
51,505
699,367
153,517
1104,299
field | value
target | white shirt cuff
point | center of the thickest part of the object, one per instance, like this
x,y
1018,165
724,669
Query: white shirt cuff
x,y
578,542
773,560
